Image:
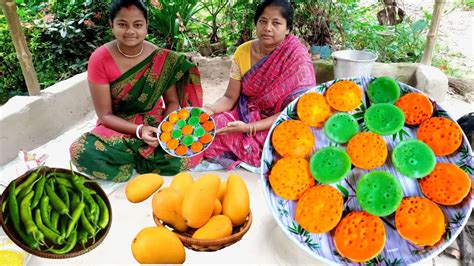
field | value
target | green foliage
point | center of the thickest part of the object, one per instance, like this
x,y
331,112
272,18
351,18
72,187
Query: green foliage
x,y
169,19
60,36
239,26
401,43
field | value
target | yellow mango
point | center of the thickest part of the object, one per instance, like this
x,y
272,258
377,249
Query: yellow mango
x,y
167,204
236,204
182,182
217,227
142,187
198,203
222,188
158,245
217,208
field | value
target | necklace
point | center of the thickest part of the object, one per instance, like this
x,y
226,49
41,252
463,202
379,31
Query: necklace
x,y
126,55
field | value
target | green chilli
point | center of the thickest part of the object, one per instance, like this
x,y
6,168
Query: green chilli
x,y
44,204
15,218
75,218
39,189
48,233
71,243
27,218
104,213
56,202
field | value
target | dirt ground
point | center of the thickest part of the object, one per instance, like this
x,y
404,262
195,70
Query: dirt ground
x,y
456,34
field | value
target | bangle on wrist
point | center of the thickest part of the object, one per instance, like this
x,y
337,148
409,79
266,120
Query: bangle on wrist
x,y
252,130
138,130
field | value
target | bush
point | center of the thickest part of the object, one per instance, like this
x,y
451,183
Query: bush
x,y
404,42
60,38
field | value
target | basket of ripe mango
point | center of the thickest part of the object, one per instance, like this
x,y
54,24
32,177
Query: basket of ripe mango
x,y
206,214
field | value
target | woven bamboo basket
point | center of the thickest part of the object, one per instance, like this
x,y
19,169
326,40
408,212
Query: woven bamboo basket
x,y
209,245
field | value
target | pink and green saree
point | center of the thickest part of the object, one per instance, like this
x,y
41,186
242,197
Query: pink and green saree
x,y
136,97
268,87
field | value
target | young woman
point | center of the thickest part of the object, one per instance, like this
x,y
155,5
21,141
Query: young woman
x,y
133,85
266,75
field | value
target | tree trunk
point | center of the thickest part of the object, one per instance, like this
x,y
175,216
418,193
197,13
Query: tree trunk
x,y
433,32
22,51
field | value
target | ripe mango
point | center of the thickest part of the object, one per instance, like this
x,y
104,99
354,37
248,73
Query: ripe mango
x,y
198,203
217,208
167,204
236,203
158,245
182,182
217,227
222,188
143,186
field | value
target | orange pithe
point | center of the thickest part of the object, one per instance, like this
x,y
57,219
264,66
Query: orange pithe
x,y
181,150
367,150
165,136
196,147
172,144
187,130
290,177
173,118
183,113
443,135
319,209
203,118
416,107
167,126
313,109
208,126
205,139
447,184
420,221
293,138
344,95
360,236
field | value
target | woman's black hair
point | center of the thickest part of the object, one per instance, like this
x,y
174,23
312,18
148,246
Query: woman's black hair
x,y
286,10
116,5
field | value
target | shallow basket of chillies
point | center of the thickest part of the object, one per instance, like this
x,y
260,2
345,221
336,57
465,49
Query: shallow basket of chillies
x,y
55,213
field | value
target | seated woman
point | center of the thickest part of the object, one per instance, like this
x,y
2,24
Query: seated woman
x,y
266,75
129,79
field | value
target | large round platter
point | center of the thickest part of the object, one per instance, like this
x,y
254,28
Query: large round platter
x,y
397,251
78,249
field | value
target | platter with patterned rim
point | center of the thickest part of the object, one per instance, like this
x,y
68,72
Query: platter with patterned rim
x,y
397,251
209,132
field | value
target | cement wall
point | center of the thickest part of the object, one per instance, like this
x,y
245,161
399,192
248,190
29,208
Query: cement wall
x,y
27,122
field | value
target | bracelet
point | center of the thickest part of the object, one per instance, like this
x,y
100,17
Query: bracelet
x,y
137,131
252,130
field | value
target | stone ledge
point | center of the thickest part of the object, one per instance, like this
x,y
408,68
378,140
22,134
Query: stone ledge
x,y
28,122
429,79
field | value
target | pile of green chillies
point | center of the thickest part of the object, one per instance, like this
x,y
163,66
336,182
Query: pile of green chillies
x,y
55,211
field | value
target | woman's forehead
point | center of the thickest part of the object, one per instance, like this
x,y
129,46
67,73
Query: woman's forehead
x,y
272,12
130,13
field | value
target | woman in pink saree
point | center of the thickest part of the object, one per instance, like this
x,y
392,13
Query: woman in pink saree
x,y
266,75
